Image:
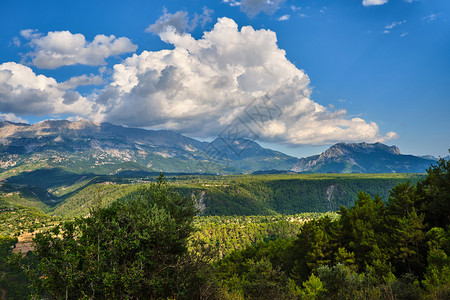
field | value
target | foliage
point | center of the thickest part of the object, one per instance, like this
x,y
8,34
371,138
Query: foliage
x,y
290,194
150,244
437,277
256,272
80,203
16,219
14,283
375,250
73,194
135,248
224,234
434,193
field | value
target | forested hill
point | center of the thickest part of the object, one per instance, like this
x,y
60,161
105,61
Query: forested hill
x,y
247,194
290,193
153,245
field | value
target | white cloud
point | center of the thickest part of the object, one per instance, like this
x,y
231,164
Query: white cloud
x,y
254,7
62,48
374,2
389,27
30,34
23,92
80,81
284,18
391,136
381,2
394,24
232,2
202,85
12,118
180,21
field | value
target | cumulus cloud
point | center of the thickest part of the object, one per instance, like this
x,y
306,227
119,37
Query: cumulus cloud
x,y
203,85
30,34
254,7
82,80
62,48
374,2
22,92
180,21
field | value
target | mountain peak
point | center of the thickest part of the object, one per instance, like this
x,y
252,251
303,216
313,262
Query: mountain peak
x,y
362,158
364,147
105,147
55,125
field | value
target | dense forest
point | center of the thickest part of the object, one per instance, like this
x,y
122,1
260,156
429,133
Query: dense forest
x,y
290,194
220,195
151,244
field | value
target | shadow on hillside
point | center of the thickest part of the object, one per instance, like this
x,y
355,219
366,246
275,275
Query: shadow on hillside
x,y
39,184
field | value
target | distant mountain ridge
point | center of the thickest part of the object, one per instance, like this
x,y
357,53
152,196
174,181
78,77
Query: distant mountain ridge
x,y
104,148
362,158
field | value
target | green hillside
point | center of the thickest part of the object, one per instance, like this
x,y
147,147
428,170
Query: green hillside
x,y
244,194
289,194
20,214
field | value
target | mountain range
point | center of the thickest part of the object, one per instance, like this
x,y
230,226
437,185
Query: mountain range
x,y
104,148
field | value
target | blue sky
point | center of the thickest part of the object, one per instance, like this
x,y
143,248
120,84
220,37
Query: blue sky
x,y
347,71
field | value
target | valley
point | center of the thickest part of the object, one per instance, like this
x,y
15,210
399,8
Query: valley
x,y
242,217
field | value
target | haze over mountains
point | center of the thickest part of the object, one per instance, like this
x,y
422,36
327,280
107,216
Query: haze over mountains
x,y
104,148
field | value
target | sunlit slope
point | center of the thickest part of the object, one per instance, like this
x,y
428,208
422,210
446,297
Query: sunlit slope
x,y
250,194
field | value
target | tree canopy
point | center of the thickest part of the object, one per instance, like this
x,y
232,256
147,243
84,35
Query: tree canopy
x,y
135,248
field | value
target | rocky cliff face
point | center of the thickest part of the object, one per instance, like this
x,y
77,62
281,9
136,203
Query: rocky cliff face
x,y
362,158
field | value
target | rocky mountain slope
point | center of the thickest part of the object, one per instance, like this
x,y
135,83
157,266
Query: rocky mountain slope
x,y
362,158
104,148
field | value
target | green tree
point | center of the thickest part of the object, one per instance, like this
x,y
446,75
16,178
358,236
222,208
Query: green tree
x,y
363,233
135,248
13,280
435,194
312,288
437,277
314,247
406,229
